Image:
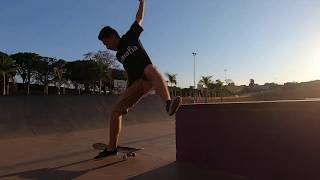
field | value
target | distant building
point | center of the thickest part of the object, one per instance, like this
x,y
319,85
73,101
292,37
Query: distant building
x,y
119,86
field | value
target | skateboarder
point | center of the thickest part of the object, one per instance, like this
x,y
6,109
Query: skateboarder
x,y
143,76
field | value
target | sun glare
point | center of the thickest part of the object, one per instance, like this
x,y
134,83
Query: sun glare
x,y
310,62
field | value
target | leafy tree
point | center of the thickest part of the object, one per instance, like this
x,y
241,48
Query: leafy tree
x,y
96,72
229,81
59,74
119,74
251,84
104,57
44,72
107,61
25,66
86,73
231,87
75,72
7,68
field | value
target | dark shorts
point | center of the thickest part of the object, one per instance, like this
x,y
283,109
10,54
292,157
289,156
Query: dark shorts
x,y
138,73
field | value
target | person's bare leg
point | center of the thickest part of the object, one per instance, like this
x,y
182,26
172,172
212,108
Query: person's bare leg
x,y
158,82
128,99
115,129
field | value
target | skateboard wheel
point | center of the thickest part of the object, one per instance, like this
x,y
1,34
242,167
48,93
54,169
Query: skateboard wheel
x,y
131,154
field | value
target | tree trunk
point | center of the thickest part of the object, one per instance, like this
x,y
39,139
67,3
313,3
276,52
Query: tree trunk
x,y
4,83
29,77
8,87
45,89
220,94
76,88
28,93
58,87
100,84
105,89
206,95
171,93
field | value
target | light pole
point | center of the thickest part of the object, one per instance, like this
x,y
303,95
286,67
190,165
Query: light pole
x,y
225,75
225,80
194,74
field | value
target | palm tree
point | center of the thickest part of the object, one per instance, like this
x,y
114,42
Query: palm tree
x,y
206,81
219,85
11,78
172,79
6,67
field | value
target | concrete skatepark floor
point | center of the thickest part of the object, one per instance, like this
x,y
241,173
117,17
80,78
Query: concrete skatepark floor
x,y
69,156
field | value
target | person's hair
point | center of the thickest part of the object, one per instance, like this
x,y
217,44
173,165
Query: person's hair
x,y
107,32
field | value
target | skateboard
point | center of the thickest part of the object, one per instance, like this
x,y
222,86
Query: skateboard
x,y
123,150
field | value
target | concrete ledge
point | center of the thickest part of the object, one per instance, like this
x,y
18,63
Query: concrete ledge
x,y
259,140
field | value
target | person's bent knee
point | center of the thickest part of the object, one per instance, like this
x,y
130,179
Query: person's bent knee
x,y
115,112
152,72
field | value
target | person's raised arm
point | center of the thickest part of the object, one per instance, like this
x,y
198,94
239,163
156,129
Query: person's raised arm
x,y
140,13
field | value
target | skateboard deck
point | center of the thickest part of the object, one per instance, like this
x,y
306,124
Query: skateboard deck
x,y
123,151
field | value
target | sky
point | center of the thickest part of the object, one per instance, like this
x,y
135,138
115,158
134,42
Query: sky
x,y
268,41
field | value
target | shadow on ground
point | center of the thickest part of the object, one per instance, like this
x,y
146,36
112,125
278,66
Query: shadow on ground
x,y
57,173
183,171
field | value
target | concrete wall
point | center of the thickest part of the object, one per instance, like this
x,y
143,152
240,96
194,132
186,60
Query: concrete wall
x,y
260,140
37,115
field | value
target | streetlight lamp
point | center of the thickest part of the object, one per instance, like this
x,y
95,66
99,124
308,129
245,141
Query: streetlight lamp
x,y
194,74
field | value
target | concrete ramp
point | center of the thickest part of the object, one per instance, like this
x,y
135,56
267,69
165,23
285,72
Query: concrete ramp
x,y
54,137
38,115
